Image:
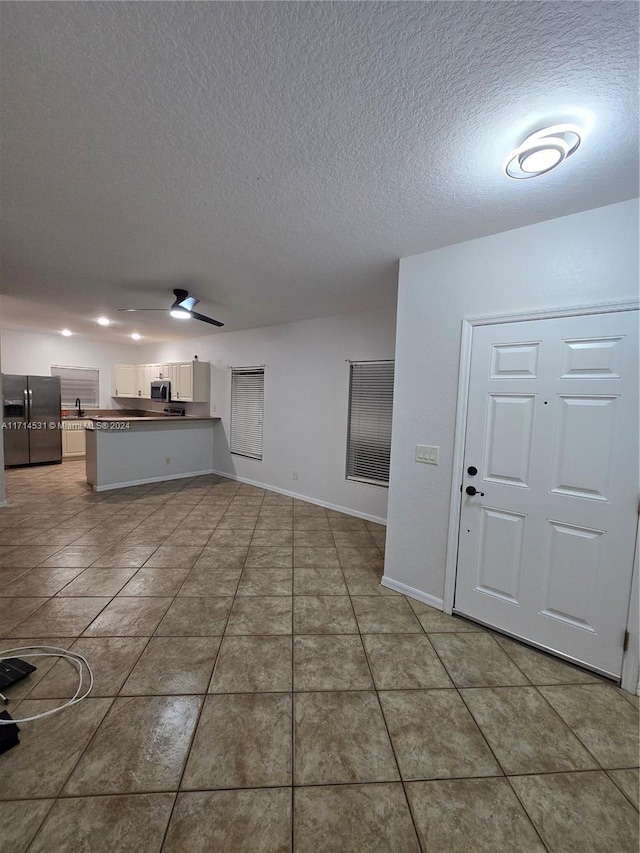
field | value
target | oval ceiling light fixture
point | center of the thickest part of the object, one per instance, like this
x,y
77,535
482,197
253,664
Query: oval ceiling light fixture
x,y
180,313
136,336
543,150
66,332
103,321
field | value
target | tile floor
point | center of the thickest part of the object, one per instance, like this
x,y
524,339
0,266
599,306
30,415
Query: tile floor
x,y
258,691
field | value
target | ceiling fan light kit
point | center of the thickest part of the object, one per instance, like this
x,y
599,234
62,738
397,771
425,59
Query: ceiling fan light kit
x,y
182,308
543,151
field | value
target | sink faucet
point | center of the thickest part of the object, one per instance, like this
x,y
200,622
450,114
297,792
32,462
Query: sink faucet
x,y
77,403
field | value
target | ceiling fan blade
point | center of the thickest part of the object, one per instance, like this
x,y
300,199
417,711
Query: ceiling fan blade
x,y
204,319
189,303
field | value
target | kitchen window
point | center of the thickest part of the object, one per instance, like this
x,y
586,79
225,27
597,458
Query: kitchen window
x,y
369,430
82,382
247,411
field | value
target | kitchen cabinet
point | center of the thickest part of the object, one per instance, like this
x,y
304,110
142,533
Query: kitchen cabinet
x,y
190,380
73,437
125,380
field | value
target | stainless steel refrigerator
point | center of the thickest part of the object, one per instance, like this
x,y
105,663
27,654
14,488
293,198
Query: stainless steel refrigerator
x,y
31,419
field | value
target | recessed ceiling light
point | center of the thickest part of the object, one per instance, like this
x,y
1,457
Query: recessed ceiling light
x,y
66,332
136,336
103,321
543,150
180,314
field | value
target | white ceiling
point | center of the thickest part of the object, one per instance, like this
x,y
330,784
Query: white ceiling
x,y
278,158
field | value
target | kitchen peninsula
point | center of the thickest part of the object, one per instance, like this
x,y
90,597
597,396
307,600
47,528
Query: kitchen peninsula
x,y
126,450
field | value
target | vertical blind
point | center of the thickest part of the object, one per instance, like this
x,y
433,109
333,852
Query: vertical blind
x,y
247,411
82,382
370,409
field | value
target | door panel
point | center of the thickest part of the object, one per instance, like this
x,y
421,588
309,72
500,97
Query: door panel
x,y
546,553
45,439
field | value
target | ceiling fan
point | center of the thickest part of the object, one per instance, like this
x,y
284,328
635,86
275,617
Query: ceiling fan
x,y
182,308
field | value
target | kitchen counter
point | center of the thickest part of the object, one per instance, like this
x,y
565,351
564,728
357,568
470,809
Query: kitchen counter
x,y
130,450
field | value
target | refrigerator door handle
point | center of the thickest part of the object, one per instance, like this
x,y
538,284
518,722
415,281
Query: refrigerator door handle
x,y
26,406
30,403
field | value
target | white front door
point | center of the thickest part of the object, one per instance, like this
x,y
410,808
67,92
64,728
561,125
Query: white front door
x,y
546,545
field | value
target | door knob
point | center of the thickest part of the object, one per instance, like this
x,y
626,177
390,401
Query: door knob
x,y
471,490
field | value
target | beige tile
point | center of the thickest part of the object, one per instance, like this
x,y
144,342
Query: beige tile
x,y
123,756
199,617
313,538
315,558
154,582
341,737
251,821
19,822
8,575
523,731
26,555
258,581
434,736
320,614
378,614
131,557
471,816
24,687
338,521
59,536
48,749
368,558
253,665
273,522
105,824
272,538
330,662
371,818
111,659
105,582
271,557
173,557
476,660
222,557
275,509
235,538
353,539
579,812
189,537
202,581
243,740
39,582
74,556
60,617
173,666
404,662
361,581
605,723
629,783
260,615
237,522
541,668
435,621
311,522
318,582
128,617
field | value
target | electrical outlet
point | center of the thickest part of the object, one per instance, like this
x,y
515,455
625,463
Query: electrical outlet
x,y
167,460
214,407
428,455
294,475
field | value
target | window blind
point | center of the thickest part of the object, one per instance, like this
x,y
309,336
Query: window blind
x,y
82,382
247,411
370,410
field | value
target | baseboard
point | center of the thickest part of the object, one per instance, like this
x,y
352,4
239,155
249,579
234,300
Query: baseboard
x,y
346,510
412,592
148,480
3,504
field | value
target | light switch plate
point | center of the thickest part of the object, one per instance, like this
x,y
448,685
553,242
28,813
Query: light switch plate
x,y
428,455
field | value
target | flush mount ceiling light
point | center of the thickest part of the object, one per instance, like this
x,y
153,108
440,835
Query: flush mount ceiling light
x,y
543,150
136,336
66,332
103,321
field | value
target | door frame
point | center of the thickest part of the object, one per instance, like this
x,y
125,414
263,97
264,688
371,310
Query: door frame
x,y
631,658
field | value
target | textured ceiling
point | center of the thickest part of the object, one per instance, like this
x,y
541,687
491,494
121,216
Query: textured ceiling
x,y
278,158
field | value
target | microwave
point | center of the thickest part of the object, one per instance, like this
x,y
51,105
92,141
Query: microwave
x,y
161,390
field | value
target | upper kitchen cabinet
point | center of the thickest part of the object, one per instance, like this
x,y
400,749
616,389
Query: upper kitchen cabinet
x,y
190,382
125,380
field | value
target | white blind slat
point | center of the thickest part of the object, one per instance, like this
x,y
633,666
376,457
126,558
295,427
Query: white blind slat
x,y
78,382
370,414
247,412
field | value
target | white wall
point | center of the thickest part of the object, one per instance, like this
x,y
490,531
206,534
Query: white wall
x,y
34,353
306,401
590,257
3,497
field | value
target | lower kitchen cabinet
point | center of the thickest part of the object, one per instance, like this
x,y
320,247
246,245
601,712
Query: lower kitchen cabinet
x,y
73,438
